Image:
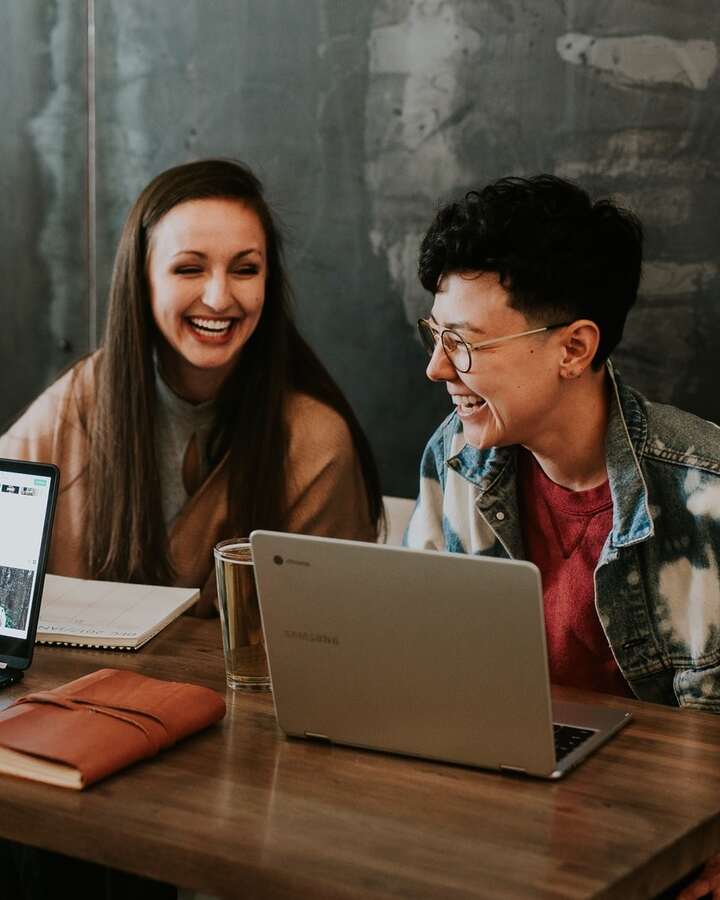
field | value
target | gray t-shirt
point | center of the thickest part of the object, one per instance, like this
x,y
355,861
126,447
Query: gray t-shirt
x,y
176,421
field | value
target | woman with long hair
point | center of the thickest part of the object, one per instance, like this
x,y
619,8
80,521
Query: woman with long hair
x,y
204,414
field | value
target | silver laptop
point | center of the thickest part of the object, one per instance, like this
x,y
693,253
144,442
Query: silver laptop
x,y
436,655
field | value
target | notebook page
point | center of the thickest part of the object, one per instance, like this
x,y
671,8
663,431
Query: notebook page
x,y
105,610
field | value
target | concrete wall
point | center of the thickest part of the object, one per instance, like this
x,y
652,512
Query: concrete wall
x,y
43,229
360,116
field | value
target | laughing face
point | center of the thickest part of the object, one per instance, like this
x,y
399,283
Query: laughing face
x,y
512,389
206,271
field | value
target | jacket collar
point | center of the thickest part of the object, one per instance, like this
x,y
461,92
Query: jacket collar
x,y
493,471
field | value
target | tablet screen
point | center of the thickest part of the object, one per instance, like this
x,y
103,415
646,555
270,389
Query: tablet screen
x,y
27,495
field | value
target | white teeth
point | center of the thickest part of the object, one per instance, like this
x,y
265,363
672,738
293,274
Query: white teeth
x,y
211,324
467,401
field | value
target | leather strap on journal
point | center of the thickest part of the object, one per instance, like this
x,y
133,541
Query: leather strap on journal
x,y
114,712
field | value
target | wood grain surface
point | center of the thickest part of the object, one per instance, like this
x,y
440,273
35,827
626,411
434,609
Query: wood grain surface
x,y
241,811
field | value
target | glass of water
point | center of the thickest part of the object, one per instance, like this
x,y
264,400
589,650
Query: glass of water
x,y
246,667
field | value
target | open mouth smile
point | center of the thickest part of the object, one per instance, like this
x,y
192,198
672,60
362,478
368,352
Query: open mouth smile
x,y
467,404
210,326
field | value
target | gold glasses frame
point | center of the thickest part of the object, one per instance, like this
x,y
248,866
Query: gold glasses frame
x,y
452,342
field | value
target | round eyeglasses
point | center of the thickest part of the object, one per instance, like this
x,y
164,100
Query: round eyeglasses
x,y
458,351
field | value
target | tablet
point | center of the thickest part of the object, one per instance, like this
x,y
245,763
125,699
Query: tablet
x,y
28,492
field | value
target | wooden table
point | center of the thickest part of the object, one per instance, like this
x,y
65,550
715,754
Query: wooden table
x,y
240,811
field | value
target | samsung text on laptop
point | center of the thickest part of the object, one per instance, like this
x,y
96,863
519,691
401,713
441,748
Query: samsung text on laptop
x,y
429,654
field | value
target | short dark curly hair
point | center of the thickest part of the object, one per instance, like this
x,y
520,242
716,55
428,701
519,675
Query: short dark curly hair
x,y
559,255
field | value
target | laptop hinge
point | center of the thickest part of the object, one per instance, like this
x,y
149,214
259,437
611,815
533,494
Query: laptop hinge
x,y
516,769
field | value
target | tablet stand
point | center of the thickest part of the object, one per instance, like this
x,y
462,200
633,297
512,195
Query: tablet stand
x,y
10,676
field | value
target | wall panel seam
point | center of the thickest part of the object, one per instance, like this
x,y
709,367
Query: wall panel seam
x,y
91,180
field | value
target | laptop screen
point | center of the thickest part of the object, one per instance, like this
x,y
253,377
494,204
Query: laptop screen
x,y
27,498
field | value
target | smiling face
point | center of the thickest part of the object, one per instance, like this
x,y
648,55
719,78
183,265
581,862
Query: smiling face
x,y
512,390
206,270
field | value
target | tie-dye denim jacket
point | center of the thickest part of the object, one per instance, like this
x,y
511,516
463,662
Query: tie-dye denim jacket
x,y
657,583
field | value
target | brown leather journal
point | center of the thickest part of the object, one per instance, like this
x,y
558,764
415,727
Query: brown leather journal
x,y
87,729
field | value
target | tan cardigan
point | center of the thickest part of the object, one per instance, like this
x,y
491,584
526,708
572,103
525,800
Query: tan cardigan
x,y
326,490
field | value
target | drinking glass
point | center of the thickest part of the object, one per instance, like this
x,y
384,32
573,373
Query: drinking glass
x,y
246,667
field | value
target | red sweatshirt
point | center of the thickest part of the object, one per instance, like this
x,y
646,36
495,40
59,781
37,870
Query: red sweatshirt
x,y
564,532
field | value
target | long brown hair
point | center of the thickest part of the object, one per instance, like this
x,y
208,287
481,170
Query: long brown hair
x,y
127,537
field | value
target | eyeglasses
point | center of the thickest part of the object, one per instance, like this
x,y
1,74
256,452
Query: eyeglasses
x,y
458,351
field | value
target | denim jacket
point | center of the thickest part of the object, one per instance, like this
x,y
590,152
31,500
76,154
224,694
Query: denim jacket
x,y
657,582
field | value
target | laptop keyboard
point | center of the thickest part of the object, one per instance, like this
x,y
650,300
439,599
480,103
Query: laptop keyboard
x,y
569,738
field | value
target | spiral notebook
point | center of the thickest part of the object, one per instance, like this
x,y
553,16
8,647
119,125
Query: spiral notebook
x,y
107,614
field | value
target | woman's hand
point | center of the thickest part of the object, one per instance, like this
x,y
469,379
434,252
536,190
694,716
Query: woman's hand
x,y
707,884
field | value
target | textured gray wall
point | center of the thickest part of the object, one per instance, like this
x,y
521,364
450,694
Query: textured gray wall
x,y
43,229
360,116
